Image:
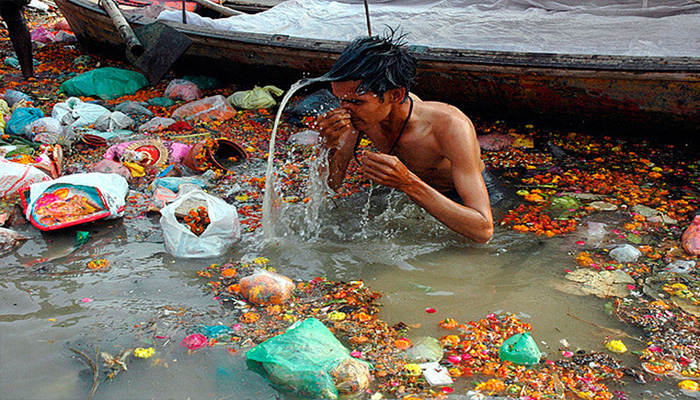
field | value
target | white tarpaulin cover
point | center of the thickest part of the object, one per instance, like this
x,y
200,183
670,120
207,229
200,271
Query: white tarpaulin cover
x,y
612,27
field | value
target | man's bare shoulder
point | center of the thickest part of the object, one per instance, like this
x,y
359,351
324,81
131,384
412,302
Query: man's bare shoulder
x,y
447,120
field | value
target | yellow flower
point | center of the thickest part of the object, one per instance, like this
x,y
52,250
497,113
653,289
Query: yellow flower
x,y
144,353
616,346
336,316
364,142
689,385
260,260
412,369
242,197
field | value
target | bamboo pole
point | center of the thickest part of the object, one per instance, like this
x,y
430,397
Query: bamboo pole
x,y
133,44
218,8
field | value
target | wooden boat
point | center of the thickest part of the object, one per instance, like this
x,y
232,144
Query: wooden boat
x,y
651,94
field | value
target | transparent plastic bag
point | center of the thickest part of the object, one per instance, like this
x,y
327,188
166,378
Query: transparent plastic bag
x,y
215,107
265,287
180,89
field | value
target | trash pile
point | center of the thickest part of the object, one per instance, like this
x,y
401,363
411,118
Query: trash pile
x,y
89,139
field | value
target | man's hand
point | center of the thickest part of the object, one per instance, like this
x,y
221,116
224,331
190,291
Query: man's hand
x,y
335,127
386,170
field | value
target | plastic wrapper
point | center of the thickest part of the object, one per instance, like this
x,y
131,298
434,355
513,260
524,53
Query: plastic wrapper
x,y
310,361
691,237
180,89
256,98
215,107
221,232
265,287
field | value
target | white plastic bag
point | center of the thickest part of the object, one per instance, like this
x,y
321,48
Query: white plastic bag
x,y
75,112
223,229
15,176
113,121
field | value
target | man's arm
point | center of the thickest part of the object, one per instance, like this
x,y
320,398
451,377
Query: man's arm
x,y
473,219
339,136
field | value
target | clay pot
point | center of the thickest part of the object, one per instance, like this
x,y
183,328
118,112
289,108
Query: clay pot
x,y
223,154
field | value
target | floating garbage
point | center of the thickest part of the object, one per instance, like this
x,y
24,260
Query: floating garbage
x,y
310,361
77,113
520,349
194,341
10,239
425,349
266,287
75,199
616,346
222,230
625,253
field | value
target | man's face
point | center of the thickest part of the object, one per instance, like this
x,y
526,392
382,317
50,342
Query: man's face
x,y
366,110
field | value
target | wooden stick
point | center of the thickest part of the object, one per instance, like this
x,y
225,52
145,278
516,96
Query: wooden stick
x,y
218,8
95,368
369,27
611,330
133,44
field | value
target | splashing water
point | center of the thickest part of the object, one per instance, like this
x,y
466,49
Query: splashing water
x,y
272,201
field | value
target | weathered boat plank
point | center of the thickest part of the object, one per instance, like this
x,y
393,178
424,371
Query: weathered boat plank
x,y
647,92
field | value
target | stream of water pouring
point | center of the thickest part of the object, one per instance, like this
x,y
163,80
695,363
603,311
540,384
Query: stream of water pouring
x,y
272,201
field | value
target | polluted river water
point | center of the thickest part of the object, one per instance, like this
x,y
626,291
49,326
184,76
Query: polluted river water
x,y
52,304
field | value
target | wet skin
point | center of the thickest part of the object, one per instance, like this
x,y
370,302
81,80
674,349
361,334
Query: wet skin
x,y
437,152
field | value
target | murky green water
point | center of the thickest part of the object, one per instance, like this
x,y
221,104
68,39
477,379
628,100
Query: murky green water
x,y
400,251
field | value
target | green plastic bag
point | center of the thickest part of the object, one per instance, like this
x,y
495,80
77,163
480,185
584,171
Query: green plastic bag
x,y
309,360
106,83
520,349
256,98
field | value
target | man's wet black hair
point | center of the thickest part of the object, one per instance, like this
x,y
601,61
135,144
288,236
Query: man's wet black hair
x,y
380,63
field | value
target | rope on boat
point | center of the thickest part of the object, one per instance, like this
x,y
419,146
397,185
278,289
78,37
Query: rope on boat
x,y
369,27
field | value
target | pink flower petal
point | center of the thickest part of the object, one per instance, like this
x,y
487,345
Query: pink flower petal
x,y
454,359
580,242
356,354
447,390
194,341
631,287
86,300
430,310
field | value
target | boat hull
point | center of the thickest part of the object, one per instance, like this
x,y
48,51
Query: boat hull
x,y
635,93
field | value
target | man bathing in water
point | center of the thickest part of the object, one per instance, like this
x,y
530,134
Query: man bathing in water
x,y
428,150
